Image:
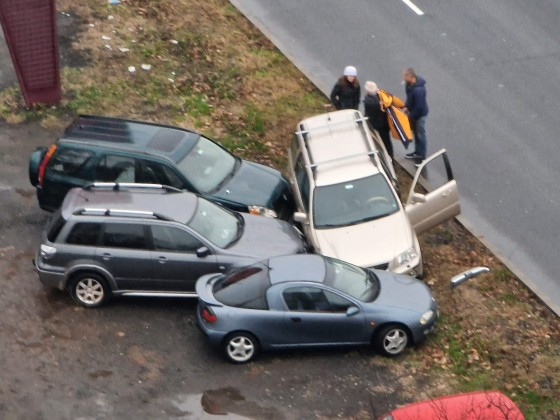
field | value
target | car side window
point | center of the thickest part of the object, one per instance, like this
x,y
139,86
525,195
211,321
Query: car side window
x,y
124,235
168,238
84,234
313,299
156,173
69,161
115,168
303,182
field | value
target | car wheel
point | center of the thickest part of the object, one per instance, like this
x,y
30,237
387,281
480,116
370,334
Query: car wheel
x,y
240,347
90,290
391,340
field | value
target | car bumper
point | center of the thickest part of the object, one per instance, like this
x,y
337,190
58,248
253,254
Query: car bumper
x,y
50,278
421,332
214,337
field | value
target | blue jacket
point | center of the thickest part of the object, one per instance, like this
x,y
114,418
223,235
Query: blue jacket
x,y
416,99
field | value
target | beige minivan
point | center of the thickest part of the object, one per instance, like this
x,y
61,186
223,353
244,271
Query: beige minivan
x,y
347,199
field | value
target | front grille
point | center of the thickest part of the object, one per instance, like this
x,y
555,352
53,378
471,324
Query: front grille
x,y
384,266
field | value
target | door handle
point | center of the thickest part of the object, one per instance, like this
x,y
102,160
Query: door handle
x,y
296,319
106,256
162,260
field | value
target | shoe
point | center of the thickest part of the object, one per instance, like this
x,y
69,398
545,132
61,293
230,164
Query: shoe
x,y
413,156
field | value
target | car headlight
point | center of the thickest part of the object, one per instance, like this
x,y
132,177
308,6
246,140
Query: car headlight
x,y
426,317
262,211
407,256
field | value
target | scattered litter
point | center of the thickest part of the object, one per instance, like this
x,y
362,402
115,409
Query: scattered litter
x,y
92,25
174,41
171,80
146,67
173,73
113,1
110,17
124,49
108,47
105,37
131,69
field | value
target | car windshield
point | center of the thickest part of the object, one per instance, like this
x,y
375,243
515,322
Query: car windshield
x,y
352,280
220,226
243,288
207,166
353,202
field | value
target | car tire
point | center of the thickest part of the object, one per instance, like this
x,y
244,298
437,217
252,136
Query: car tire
x,y
90,290
240,347
391,340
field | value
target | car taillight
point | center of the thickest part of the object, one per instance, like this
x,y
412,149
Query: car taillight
x,y
208,315
43,165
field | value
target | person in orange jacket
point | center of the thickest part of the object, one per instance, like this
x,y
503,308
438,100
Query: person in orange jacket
x,y
384,115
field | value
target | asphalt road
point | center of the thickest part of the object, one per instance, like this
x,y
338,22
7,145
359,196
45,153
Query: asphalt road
x,y
493,73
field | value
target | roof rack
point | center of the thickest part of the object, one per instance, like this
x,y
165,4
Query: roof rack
x,y
119,212
359,120
116,186
338,159
356,120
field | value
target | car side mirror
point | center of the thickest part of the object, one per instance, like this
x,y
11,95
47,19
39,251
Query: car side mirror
x,y
352,310
466,275
202,252
418,198
301,217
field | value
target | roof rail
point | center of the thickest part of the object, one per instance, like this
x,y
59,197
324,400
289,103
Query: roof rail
x,y
357,120
130,185
338,159
119,212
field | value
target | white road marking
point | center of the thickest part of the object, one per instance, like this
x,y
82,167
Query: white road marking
x,y
413,7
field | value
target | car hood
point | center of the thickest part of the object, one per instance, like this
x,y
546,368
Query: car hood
x,y
368,244
265,237
403,292
253,184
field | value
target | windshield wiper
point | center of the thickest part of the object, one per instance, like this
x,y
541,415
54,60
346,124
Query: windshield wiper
x,y
228,177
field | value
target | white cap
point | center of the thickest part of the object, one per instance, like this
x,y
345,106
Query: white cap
x,y
370,86
350,71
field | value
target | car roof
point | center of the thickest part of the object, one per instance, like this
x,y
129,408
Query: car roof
x,y
301,267
176,205
469,406
118,133
337,144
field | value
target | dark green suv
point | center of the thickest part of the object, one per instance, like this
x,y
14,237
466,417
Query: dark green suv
x,y
104,149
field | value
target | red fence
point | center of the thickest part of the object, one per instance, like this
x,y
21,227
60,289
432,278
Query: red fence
x,y
30,30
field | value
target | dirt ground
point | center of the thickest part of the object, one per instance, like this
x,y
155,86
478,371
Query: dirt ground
x,y
143,359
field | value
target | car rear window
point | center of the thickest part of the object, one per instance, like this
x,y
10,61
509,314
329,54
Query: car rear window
x,y
55,226
245,288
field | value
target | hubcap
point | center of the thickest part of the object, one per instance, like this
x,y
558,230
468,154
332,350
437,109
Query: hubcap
x,y
89,291
240,349
395,341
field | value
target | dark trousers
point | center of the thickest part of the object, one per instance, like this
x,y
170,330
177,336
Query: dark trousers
x,y
386,137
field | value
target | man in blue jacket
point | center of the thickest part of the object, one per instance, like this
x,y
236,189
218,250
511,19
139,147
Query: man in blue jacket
x,y
417,108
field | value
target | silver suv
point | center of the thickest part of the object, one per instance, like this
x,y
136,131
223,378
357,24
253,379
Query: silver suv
x,y
150,240
346,197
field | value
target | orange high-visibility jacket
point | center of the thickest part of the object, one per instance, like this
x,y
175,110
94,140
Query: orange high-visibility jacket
x,y
398,120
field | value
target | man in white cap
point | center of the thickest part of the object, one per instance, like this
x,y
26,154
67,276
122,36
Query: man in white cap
x,y
346,91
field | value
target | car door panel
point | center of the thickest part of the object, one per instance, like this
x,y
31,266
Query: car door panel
x,y
176,260
439,204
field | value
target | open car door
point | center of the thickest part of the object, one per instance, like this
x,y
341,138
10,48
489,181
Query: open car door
x,y
441,202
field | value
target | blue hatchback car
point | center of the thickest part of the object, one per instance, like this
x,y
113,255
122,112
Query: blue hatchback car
x,y
311,300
